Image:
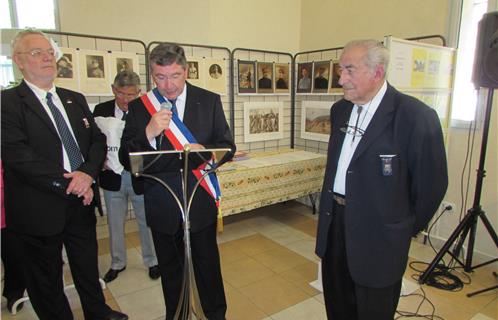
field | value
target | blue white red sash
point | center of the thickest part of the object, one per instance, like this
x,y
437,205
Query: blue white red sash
x,y
179,135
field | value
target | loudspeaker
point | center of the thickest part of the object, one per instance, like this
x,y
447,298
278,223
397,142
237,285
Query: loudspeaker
x,y
485,73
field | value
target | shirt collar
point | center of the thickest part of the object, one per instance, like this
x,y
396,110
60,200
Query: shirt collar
x,y
40,93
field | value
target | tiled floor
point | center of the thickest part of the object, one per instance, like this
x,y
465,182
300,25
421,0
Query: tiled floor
x,y
268,261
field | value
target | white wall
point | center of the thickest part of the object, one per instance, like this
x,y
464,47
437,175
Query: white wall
x,y
260,24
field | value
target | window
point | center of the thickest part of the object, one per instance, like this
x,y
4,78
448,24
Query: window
x,y
464,95
20,14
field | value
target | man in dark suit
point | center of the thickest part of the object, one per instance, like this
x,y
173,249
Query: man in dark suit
x,y
202,114
386,175
118,187
52,152
265,81
320,81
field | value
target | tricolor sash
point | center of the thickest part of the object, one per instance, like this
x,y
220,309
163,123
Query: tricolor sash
x,y
179,135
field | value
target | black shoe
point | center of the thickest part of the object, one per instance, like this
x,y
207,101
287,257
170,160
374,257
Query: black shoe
x,y
12,301
154,272
112,274
116,315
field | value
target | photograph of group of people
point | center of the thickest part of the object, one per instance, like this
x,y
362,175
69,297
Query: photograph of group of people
x,y
206,73
263,77
91,71
318,77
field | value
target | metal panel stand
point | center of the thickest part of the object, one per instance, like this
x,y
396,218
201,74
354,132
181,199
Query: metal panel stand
x,y
189,305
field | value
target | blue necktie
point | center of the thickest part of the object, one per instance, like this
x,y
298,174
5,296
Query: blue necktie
x,y
72,149
173,106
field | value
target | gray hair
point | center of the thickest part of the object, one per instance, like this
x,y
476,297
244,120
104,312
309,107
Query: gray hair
x,y
23,33
166,54
377,53
126,78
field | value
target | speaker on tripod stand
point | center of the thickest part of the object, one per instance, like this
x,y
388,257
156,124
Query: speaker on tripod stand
x,y
485,75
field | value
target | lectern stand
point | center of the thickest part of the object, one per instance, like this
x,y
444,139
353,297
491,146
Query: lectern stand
x,y
189,305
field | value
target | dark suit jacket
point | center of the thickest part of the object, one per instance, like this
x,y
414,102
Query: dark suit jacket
x,y
35,197
321,83
264,83
382,213
205,119
108,180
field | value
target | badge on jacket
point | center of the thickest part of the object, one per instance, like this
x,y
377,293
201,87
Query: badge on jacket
x,y
86,123
387,164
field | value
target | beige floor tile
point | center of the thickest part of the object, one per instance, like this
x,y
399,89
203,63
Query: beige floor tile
x,y
104,246
280,259
282,234
491,310
306,248
245,271
273,294
230,252
309,309
443,308
239,307
255,244
301,276
133,240
143,304
320,298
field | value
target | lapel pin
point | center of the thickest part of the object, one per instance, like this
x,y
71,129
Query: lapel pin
x,y
87,124
69,101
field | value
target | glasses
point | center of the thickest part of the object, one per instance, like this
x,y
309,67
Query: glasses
x,y
353,130
129,96
37,53
162,77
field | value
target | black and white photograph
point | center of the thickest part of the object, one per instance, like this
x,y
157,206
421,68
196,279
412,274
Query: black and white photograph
x,y
321,76
282,77
95,66
247,76
263,121
304,76
265,77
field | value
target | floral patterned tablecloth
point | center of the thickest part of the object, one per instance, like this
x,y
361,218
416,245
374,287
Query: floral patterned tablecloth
x,y
269,177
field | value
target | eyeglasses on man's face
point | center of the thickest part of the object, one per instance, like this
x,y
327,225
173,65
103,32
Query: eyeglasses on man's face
x,y
38,53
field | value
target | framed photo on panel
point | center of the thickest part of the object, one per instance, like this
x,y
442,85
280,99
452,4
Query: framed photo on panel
x,y
94,73
335,75
216,76
263,121
321,76
122,61
304,76
195,74
247,76
315,120
67,70
282,77
265,77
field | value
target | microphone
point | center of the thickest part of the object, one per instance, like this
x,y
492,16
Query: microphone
x,y
166,105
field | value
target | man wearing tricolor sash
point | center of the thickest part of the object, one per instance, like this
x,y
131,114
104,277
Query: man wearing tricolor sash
x,y
196,118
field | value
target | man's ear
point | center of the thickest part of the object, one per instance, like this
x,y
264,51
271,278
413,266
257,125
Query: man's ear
x,y
17,61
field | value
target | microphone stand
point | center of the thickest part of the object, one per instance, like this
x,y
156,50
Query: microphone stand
x,y
189,305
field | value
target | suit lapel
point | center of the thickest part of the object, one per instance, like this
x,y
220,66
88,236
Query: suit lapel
x,y
191,106
380,120
30,99
74,117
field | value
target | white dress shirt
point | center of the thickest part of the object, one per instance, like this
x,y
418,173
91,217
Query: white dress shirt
x,y
351,141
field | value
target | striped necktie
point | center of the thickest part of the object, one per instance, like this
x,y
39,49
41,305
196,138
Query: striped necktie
x,y
173,106
72,149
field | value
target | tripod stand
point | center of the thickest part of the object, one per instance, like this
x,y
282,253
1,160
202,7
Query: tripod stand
x,y
468,225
